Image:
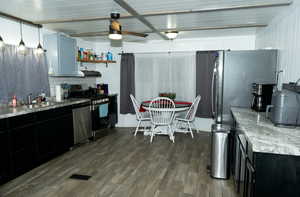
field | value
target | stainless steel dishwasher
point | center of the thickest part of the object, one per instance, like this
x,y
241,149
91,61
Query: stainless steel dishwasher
x,y
82,122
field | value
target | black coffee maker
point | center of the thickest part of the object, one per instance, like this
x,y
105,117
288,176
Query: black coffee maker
x,y
262,96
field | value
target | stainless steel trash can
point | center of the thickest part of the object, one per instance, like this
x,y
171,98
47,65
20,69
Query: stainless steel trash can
x,y
220,151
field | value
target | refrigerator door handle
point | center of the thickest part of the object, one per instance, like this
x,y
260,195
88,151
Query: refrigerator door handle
x,y
213,90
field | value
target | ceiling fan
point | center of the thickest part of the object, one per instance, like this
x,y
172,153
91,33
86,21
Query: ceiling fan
x,y
115,28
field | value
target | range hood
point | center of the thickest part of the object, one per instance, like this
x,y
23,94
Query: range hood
x,y
91,73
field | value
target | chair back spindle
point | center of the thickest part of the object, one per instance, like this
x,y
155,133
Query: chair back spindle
x,y
162,111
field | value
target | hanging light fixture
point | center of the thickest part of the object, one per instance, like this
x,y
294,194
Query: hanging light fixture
x,y
2,44
115,28
171,34
114,34
39,49
21,46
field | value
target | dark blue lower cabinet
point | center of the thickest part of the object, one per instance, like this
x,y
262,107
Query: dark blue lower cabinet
x,y
276,175
265,175
65,134
22,149
46,139
34,139
5,164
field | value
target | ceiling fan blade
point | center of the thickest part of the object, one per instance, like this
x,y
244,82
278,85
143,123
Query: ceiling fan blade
x,y
91,34
134,34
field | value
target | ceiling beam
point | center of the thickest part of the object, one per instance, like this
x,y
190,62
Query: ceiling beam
x,y
105,33
203,10
75,20
216,27
218,9
18,19
141,18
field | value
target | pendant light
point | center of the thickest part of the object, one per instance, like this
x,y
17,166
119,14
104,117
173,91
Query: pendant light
x,y
39,49
21,46
2,44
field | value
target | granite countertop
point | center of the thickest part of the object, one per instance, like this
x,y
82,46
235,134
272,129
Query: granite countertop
x,y
264,136
7,112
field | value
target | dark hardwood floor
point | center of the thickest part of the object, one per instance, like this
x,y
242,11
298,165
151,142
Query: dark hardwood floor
x,y
123,165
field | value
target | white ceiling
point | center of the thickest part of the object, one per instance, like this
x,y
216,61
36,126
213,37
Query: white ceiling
x,y
44,10
146,6
220,18
36,10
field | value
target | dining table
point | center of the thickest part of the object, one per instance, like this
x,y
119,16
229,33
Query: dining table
x,y
180,106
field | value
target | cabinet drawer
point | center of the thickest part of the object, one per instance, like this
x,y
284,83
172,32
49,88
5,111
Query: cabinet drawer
x,y
53,113
85,104
21,121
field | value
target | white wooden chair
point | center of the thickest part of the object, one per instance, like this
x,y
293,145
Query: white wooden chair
x,y
142,117
188,119
162,113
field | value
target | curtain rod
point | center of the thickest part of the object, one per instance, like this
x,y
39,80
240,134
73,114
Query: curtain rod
x,y
160,52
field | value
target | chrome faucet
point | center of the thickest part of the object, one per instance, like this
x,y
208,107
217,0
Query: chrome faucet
x,y
29,99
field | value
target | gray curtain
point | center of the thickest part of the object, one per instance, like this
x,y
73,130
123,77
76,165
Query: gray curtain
x,y
204,71
127,82
22,74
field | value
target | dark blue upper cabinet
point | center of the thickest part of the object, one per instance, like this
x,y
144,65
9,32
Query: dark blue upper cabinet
x,y
61,54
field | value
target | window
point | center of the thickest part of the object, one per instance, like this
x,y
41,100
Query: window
x,y
165,72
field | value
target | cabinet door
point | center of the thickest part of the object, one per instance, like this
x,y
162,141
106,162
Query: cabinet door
x,y
249,179
46,140
67,56
23,149
236,162
5,157
65,133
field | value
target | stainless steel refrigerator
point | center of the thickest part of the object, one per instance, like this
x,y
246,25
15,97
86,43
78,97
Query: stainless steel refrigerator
x,y
234,73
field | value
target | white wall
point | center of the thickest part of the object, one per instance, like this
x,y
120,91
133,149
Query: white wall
x,y
111,75
283,33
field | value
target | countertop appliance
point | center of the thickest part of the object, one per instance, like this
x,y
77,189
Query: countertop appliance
x,y
285,108
82,122
234,74
262,96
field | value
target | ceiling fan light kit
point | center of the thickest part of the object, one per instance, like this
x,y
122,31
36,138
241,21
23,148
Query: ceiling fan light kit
x,y
171,34
115,34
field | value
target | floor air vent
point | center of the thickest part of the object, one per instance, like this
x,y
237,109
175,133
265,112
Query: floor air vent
x,y
80,177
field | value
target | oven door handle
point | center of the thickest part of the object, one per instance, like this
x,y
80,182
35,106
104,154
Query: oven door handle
x,y
97,105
